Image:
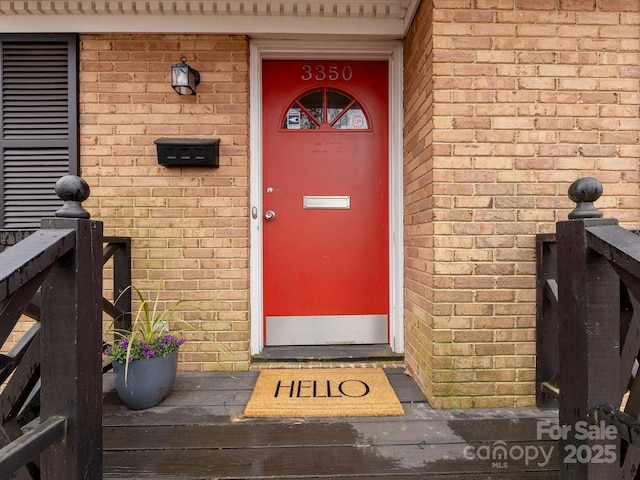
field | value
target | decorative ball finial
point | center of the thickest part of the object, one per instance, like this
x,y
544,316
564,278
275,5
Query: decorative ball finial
x,y
73,190
584,192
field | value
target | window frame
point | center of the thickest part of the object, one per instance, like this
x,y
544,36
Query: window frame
x,y
325,125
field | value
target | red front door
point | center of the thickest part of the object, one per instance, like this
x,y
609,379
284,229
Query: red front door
x,y
325,191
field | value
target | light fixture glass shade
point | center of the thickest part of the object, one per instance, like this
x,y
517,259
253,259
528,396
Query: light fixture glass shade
x,y
184,78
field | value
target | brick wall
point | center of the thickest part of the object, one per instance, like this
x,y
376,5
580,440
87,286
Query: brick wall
x,y
418,199
189,227
507,102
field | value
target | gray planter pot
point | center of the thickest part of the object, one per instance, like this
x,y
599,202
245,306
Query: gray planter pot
x,y
148,381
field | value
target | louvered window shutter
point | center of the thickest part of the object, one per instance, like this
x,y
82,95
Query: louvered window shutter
x,y
39,124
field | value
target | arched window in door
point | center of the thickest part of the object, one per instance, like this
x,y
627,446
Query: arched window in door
x,y
325,109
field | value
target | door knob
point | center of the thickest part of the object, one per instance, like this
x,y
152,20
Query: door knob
x,y
269,215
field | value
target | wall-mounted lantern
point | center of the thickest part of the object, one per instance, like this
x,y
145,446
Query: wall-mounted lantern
x,y
184,78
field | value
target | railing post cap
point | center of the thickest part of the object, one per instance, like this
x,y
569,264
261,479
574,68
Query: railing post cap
x,y
584,192
73,190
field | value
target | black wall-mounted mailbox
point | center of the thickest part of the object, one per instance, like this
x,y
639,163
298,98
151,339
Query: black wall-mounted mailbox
x,y
188,152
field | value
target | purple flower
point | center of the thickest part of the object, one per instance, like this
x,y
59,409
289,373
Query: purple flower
x,y
138,349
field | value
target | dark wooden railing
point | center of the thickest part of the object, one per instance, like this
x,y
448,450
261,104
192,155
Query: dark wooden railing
x,y
116,248
59,360
119,310
547,322
588,321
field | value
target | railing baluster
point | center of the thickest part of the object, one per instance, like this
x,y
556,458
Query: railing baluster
x,y
547,363
121,282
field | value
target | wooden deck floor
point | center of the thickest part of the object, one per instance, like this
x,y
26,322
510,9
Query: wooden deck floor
x,y
199,433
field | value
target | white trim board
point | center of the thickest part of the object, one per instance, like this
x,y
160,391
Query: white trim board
x,y
383,50
368,18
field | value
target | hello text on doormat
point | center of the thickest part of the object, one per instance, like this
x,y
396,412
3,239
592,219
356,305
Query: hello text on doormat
x,y
330,392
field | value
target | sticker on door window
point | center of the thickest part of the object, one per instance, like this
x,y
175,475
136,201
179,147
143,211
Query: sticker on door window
x,y
327,109
293,120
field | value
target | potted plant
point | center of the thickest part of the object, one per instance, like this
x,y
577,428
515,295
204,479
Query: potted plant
x,y
145,358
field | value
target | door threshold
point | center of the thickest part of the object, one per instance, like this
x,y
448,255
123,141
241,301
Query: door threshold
x,y
328,353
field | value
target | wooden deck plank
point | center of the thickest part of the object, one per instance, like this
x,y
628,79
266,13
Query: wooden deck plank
x,y
199,433
216,381
397,476
405,386
196,398
197,381
288,434
343,461
117,414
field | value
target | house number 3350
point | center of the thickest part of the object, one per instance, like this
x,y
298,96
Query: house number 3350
x,y
322,72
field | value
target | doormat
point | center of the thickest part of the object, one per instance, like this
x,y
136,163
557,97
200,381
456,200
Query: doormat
x,y
323,392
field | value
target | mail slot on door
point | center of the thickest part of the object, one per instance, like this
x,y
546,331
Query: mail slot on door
x,y
324,202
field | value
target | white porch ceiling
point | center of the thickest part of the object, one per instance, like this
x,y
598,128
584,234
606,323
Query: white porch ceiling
x,y
262,18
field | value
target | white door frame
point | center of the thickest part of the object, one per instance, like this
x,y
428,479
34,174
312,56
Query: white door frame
x,y
338,50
